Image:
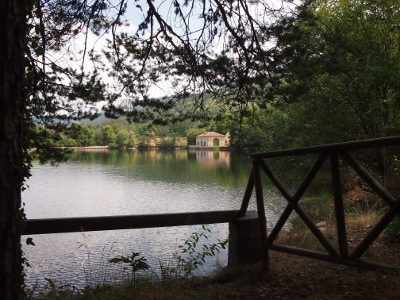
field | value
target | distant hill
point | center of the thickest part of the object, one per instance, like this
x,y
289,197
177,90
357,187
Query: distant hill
x,y
102,119
187,107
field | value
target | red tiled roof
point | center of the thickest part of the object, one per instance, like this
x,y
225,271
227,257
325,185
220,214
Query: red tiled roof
x,y
211,133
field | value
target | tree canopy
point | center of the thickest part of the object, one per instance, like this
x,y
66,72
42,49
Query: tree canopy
x,y
309,61
340,68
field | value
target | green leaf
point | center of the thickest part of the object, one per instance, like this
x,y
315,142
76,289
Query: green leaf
x,y
29,241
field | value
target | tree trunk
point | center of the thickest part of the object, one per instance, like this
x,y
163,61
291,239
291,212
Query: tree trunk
x,y
12,38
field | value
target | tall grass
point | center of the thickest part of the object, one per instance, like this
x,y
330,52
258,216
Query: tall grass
x,y
125,275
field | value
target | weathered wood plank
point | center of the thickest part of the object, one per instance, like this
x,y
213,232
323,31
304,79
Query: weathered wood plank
x,y
369,179
339,208
262,220
247,195
59,225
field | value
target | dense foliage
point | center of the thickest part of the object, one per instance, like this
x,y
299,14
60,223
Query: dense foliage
x,y
339,70
116,135
336,67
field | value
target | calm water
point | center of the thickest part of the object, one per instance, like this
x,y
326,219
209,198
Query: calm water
x,y
122,183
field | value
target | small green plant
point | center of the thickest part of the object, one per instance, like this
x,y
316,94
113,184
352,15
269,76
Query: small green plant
x,y
136,262
189,258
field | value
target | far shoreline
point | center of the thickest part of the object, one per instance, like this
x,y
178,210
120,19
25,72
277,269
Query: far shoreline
x,y
107,148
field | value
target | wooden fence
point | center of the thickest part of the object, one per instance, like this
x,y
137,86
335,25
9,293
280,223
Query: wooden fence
x,y
334,153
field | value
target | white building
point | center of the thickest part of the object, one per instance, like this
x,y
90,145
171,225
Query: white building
x,y
213,139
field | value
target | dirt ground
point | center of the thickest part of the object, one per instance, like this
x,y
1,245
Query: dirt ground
x,y
293,277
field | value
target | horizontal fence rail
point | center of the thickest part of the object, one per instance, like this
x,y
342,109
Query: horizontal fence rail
x,y
334,154
336,147
60,225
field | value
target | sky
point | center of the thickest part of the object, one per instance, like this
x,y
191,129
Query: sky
x,y
72,54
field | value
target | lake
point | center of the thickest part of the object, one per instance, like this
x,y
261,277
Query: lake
x,y
124,183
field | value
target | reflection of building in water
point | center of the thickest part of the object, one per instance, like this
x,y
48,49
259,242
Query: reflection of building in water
x,y
157,154
213,139
213,158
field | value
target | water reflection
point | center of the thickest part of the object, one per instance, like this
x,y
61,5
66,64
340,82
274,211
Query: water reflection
x,y
206,167
212,159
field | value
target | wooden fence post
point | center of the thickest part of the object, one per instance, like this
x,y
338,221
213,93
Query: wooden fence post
x,y
244,240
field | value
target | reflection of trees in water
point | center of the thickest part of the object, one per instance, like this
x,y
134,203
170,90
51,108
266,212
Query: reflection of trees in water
x,y
207,167
158,154
129,156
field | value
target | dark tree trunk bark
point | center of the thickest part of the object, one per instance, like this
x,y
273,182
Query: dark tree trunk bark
x,y
12,38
